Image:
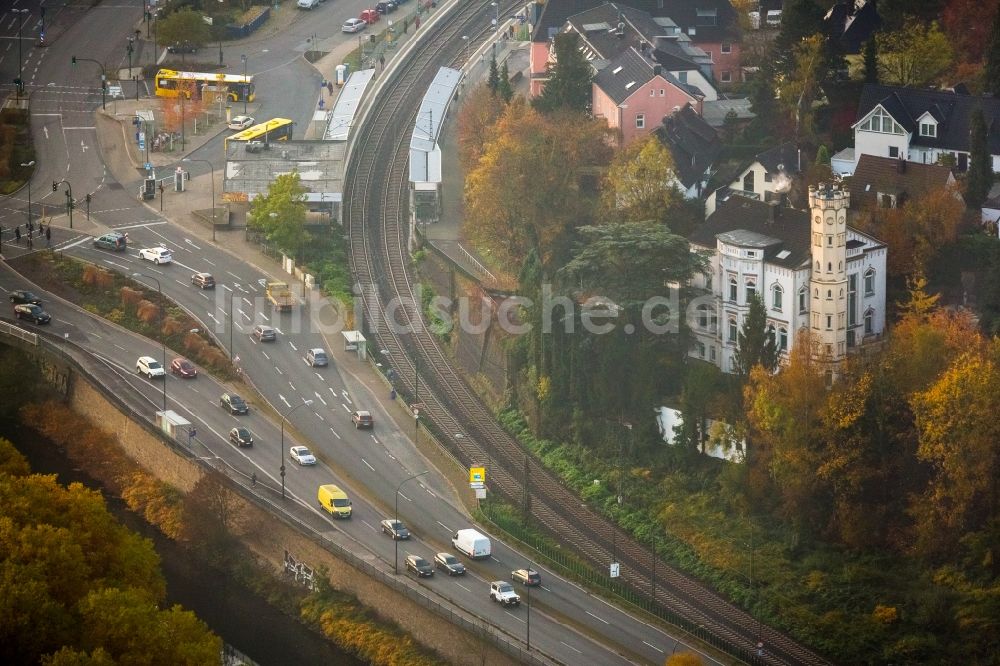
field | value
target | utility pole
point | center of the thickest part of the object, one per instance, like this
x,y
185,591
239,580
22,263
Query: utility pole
x,y
69,197
104,78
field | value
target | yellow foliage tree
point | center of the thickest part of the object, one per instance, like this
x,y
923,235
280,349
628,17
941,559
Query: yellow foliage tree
x,y
476,120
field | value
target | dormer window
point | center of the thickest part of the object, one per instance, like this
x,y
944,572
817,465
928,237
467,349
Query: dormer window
x,y
880,121
928,129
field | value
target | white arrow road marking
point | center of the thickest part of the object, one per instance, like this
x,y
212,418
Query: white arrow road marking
x,y
188,241
346,397
366,463
83,146
46,130
316,393
282,398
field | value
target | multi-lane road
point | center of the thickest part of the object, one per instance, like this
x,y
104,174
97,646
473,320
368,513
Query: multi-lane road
x,y
568,623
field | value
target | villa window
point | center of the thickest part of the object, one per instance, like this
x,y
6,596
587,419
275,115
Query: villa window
x,y
640,121
732,289
870,282
732,329
803,300
783,339
776,297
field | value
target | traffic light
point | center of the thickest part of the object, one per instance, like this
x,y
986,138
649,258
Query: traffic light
x,y
19,84
55,186
74,60
88,197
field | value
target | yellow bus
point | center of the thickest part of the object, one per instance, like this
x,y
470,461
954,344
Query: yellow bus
x,y
275,129
171,83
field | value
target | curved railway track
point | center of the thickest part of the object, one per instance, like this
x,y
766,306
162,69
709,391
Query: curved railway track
x,y
376,215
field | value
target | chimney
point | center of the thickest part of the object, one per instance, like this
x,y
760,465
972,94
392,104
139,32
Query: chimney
x,y
657,69
771,206
901,165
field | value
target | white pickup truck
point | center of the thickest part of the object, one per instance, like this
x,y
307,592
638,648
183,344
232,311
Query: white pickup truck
x,y
503,592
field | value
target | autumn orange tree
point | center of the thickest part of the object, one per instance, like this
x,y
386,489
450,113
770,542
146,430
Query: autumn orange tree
x,y
528,190
476,120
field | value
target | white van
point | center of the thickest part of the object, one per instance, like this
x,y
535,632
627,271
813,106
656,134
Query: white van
x,y
472,543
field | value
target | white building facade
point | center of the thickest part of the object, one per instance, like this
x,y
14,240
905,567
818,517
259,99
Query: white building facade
x,y
761,248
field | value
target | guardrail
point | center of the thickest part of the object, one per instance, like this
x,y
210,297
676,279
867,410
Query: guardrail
x,y
19,333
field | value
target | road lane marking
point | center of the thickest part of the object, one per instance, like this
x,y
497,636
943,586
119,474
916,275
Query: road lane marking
x,y
226,287
654,647
292,345
571,647
334,432
279,370
280,332
238,278
463,587
514,616
346,397
321,378
316,393
211,263
292,385
247,301
265,355
346,408
368,464
405,497
446,528
320,416
596,617
188,241
369,524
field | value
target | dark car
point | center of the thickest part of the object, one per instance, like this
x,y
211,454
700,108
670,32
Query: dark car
x,y
527,577
113,241
264,333
203,280
21,296
241,437
395,528
32,313
183,368
363,419
386,7
449,563
234,403
419,566
182,47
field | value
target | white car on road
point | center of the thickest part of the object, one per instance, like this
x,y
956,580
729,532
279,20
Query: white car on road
x,y
149,366
353,25
158,255
240,122
302,455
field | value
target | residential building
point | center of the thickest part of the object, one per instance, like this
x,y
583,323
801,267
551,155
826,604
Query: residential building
x,y
766,178
813,271
885,182
925,126
634,95
698,38
694,147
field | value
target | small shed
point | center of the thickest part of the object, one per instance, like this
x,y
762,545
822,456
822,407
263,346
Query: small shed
x,y
354,341
174,425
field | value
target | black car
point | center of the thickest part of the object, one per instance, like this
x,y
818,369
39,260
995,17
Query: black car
x,y
32,313
449,563
21,296
241,437
395,528
419,566
234,403
182,47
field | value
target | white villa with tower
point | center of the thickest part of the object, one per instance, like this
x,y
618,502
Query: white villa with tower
x,y
813,271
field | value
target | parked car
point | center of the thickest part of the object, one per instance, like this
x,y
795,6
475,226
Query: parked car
x,y
317,358
363,419
386,6
503,592
240,122
419,566
396,529
203,280
526,577
302,455
114,241
182,47
182,367
20,296
369,16
149,366
353,25
33,313
264,333
234,403
449,563
241,437
158,255
307,4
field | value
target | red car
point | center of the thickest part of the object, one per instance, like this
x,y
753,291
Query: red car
x,y
183,368
370,16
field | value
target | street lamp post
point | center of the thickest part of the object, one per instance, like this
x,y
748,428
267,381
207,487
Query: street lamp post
x,y
129,49
20,72
220,53
465,49
190,159
281,451
245,88
620,498
28,165
163,341
395,517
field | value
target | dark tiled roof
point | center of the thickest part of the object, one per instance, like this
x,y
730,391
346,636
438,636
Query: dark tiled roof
x,y
628,68
852,23
789,228
785,156
953,111
882,174
683,12
598,27
692,142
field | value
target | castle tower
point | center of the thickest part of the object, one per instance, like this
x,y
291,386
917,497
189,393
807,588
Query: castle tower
x,y
828,282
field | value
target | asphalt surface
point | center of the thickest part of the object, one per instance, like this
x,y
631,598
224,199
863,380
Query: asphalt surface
x,y
369,465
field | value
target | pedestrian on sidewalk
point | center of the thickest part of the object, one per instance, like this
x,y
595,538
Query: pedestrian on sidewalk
x,y
381,62
17,234
31,243
406,24
48,236
253,479
329,86
31,227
